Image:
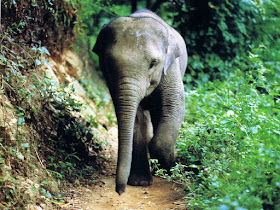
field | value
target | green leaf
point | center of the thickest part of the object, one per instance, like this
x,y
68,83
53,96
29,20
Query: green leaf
x,y
25,145
21,121
8,106
38,62
45,51
276,131
48,63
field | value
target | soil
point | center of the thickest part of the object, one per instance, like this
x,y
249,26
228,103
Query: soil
x,y
160,195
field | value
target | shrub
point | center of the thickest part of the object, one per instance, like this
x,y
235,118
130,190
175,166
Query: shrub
x,y
230,136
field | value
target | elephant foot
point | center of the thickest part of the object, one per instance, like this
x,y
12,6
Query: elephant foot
x,y
140,180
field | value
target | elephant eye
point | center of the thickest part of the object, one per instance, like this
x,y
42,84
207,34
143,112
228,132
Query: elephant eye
x,y
153,63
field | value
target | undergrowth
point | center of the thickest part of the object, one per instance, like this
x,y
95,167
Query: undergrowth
x,y
45,141
229,143
39,127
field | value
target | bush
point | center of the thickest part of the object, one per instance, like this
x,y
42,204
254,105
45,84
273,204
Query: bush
x,y
36,23
230,136
43,137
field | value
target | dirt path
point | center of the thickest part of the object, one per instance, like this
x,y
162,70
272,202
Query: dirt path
x,y
100,196
161,195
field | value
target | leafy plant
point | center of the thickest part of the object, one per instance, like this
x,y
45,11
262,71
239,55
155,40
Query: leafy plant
x,y
230,136
42,134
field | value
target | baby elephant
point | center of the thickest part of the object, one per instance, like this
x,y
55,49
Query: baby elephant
x,y
143,60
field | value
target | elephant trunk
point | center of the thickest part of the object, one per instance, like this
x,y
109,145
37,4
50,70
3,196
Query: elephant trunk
x,y
126,108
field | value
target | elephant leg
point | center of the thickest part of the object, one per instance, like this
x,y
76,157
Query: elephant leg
x,y
162,145
143,131
167,121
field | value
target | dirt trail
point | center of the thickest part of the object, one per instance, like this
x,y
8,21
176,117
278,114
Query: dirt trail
x,y
161,195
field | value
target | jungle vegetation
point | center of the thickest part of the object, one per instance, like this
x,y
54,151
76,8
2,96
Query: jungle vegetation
x,y
229,150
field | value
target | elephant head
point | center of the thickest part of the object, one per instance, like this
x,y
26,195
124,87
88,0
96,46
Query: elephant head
x,y
134,53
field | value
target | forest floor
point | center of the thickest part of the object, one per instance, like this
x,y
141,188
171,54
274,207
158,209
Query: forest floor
x,y
161,195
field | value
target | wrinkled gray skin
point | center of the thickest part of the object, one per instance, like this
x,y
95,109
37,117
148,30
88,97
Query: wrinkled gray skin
x,y
143,61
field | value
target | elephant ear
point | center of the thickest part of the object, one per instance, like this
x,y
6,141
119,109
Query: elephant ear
x,y
105,36
98,44
173,50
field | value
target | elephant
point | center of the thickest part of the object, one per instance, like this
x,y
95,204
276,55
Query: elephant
x,y
143,61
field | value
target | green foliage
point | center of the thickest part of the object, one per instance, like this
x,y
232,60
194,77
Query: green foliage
x,y
220,27
230,140
40,104
44,22
91,16
42,134
156,168
229,143
75,138
218,32
94,93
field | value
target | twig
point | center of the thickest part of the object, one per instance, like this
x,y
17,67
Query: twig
x,y
3,146
9,49
7,84
241,125
41,161
19,47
